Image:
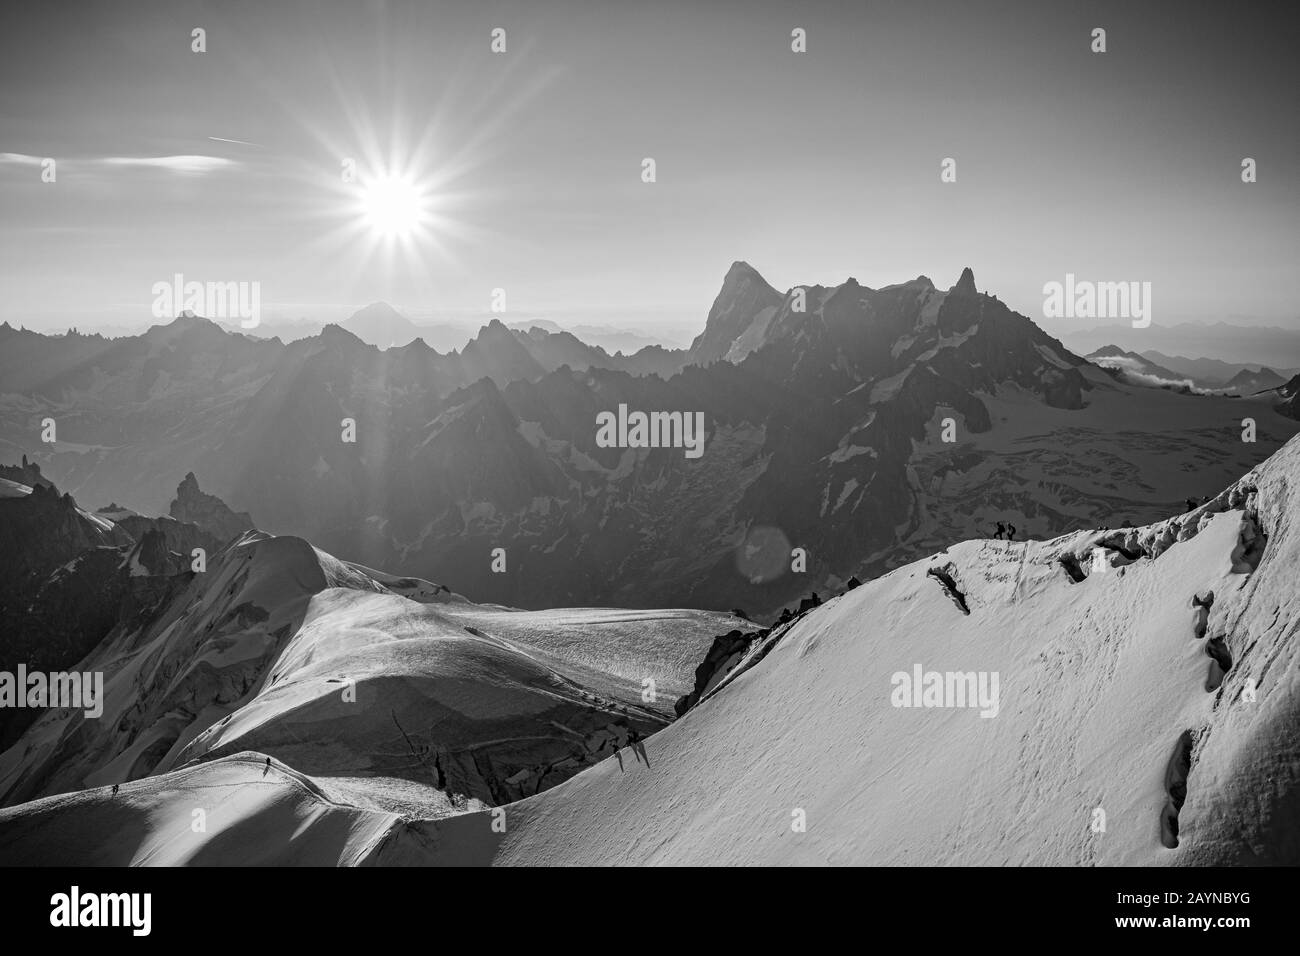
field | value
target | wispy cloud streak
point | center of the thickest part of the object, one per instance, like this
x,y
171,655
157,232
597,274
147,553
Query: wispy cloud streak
x,y
180,164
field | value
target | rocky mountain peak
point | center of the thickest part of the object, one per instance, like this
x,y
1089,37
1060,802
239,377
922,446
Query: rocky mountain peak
x,y
966,284
337,335
28,473
194,506
743,296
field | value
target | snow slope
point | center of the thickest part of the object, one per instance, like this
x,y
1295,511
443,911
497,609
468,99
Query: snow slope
x,y
281,648
1099,680
1109,678
234,810
613,650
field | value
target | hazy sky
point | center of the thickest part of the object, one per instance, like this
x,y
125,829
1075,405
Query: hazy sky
x,y
812,166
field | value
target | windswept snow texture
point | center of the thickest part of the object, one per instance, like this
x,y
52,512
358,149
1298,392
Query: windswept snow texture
x,y
1103,713
1098,679
252,814
445,705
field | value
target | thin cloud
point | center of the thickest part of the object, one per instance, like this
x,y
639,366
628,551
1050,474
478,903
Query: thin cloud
x,y
22,158
239,142
179,164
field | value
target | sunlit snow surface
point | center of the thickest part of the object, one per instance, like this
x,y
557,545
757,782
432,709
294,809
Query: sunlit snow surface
x,y
1098,680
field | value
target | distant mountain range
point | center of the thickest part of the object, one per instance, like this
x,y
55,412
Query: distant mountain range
x,y
864,427
1220,378
1211,371
381,325
1236,345
581,631
606,337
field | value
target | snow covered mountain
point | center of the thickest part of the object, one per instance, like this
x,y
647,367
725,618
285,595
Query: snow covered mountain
x,y
1108,697
864,426
1145,713
348,672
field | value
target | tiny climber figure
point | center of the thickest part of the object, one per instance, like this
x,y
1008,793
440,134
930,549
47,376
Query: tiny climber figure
x,y
1011,532
1002,529
267,768
634,741
115,786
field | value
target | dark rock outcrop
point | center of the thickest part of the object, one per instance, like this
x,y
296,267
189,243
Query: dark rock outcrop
x,y
179,536
725,652
208,512
1290,394
737,651
67,578
27,473
966,284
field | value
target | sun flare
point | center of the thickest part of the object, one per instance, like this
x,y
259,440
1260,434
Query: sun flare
x,y
393,207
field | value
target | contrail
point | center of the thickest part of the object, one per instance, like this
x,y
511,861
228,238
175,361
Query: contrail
x,y
222,139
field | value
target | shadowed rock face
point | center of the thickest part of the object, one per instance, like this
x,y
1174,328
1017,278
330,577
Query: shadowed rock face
x,y
744,296
1179,766
178,536
208,512
823,406
1290,393
65,581
726,652
26,473
813,431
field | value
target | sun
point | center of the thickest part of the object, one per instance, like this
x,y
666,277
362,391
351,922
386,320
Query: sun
x,y
393,207
389,210
391,215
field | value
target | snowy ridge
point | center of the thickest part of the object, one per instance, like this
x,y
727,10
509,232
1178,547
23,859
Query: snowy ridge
x,y
281,648
1100,681
1146,713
